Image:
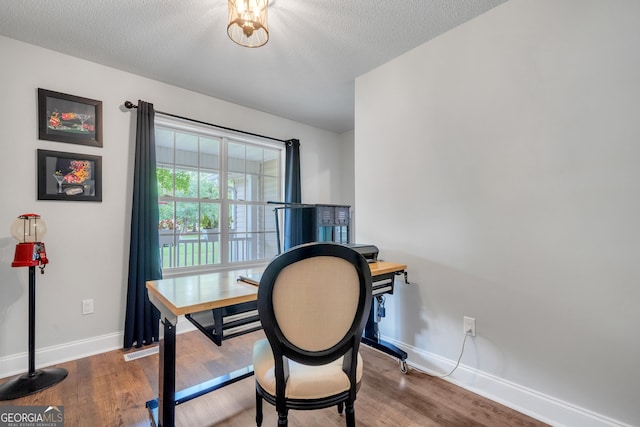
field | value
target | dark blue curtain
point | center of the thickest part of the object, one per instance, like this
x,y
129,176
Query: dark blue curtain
x,y
298,226
142,318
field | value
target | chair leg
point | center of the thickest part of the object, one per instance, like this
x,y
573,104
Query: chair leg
x,y
340,407
258,409
282,419
350,415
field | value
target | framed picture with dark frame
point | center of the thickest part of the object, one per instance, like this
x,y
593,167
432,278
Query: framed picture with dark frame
x,y
68,118
69,176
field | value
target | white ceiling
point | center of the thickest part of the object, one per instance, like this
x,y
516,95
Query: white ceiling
x,y
306,71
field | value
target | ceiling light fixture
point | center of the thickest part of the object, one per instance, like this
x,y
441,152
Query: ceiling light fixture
x,y
248,24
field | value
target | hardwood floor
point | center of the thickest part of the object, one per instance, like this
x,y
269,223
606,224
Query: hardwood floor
x,y
104,390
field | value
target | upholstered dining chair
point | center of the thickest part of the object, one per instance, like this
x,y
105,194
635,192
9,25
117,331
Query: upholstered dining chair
x,y
313,302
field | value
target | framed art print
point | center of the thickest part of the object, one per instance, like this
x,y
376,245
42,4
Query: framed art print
x,y
68,118
69,176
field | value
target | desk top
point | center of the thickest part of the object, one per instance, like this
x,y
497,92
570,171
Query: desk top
x,y
191,294
384,267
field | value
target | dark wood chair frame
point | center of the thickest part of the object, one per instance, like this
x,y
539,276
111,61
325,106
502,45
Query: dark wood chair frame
x,y
348,346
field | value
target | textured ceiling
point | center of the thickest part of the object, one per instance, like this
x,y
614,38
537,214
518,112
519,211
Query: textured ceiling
x,y
306,71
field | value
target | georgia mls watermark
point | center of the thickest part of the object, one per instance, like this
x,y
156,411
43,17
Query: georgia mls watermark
x,y
31,416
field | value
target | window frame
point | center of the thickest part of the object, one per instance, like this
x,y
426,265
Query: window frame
x,y
175,124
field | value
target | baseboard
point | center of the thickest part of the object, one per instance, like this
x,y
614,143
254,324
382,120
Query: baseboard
x,y
47,356
537,405
19,363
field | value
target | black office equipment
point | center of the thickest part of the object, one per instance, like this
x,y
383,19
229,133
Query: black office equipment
x,y
369,252
316,223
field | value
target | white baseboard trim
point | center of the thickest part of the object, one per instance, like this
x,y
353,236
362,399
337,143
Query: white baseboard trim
x,y
537,405
53,355
19,363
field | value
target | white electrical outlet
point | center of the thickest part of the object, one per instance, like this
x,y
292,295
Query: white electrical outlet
x,y
469,325
87,306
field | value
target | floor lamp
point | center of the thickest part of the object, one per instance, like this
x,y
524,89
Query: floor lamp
x,y
28,229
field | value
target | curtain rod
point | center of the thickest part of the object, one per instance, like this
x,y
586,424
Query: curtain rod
x,y
130,105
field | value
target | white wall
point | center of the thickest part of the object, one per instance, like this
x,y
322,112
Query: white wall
x,y
500,161
346,163
347,185
87,243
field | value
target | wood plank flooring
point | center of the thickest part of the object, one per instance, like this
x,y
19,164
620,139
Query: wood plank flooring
x,y
104,390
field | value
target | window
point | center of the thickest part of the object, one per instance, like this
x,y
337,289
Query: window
x,y
213,189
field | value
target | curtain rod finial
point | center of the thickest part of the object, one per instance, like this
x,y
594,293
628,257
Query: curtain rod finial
x,y
129,105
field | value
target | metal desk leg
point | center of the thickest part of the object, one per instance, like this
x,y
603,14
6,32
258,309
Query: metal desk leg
x,y
163,409
167,376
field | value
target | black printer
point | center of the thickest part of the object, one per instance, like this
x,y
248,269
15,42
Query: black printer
x,y
369,252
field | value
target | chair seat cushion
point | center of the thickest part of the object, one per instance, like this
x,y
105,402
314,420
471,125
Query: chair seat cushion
x,y
305,382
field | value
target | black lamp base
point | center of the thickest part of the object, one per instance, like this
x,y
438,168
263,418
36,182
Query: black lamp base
x,y
28,384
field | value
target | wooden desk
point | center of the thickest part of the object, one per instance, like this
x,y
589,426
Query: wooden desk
x,y
192,294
